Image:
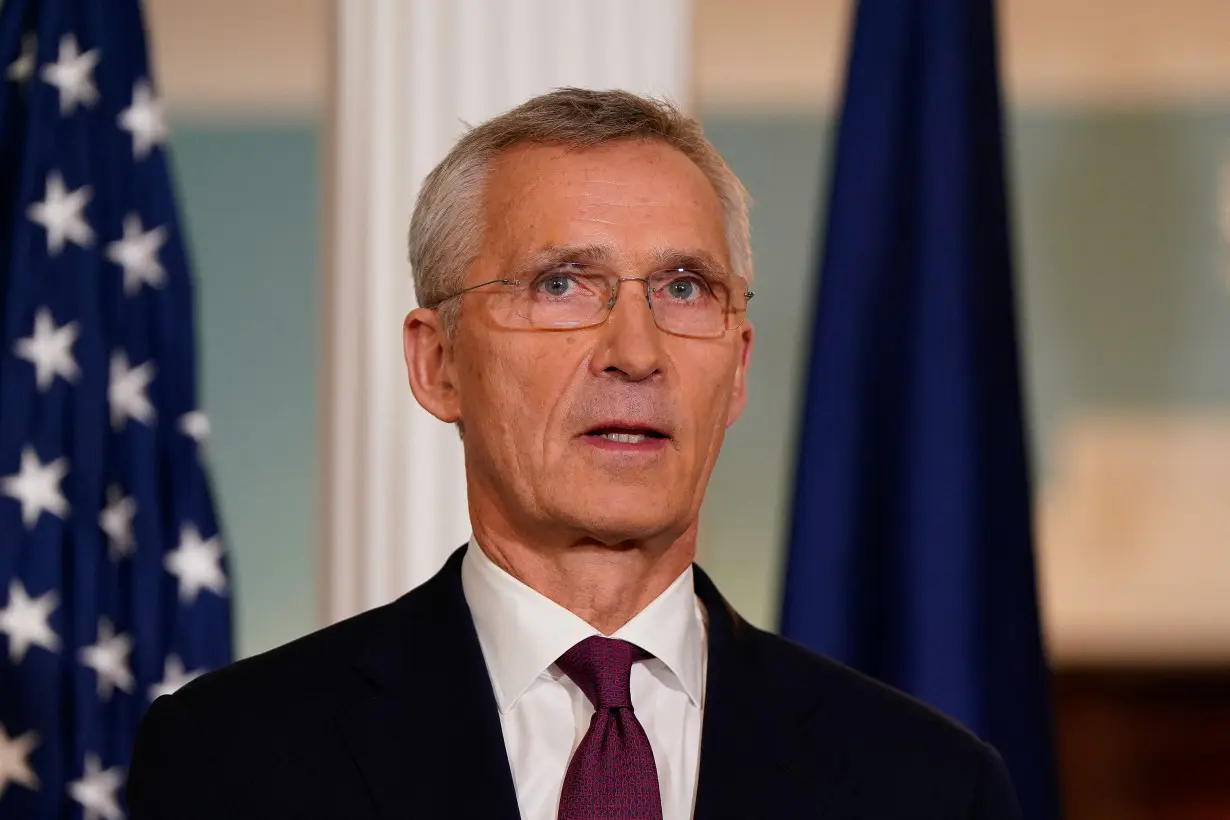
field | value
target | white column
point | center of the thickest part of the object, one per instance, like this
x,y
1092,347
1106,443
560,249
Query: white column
x,y
408,76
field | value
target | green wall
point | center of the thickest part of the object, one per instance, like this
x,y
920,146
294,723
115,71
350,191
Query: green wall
x,y
779,159
249,193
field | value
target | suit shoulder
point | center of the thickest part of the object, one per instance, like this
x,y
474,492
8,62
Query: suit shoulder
x,y
901,756
876,713
319,658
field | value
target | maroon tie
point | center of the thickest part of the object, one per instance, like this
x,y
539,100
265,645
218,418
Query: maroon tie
x,y
612,775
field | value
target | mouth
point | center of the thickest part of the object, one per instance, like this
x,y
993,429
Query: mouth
x,y
626,437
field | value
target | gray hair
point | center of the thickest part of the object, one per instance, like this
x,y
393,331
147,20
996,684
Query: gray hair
x,y
446,230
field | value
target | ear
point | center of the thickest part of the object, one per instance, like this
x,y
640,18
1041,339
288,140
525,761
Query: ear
x,y
738,390
430,364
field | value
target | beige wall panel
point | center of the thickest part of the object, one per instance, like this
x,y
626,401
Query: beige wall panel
x,y
791,53
263,58
1134,540
270,56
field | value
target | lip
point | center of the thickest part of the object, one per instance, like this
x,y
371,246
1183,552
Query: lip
x,y
647,445
655,441
658,432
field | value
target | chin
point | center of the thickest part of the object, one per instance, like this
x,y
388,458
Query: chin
x,y
613,532
611,517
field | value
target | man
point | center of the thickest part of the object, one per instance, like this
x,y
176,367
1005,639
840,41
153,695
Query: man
x,y
583,265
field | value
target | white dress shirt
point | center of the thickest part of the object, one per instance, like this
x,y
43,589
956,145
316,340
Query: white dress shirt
x,y
545,715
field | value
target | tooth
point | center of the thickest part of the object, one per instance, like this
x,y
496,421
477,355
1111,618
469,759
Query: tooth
x,y
624,438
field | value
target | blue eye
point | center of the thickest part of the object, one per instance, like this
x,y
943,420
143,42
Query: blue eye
x,y
557,284
684,289
683,286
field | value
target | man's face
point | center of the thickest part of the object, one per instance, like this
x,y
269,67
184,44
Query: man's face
x,y
554,420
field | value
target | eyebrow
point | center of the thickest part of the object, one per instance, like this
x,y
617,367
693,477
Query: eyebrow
x,y
696,259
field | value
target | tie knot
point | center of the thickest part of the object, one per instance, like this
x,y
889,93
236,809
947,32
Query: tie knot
x,y
602,668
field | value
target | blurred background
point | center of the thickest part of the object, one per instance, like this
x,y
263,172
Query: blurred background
x,y
1118,140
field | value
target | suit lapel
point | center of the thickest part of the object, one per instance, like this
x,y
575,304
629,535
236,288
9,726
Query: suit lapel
x,y
758,748
425,730
426,735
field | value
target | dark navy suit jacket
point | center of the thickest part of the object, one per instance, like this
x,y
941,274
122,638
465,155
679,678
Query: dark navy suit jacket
x,y
391,715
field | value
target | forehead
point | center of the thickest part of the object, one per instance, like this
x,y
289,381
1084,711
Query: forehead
x,y
629,193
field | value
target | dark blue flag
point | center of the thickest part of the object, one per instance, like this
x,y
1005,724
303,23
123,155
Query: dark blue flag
x,y
113,584
911,553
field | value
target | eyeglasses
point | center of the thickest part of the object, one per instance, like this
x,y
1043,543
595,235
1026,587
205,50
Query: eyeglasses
x,y
682,301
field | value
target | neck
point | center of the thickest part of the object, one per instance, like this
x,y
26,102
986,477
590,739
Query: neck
x,y
604,585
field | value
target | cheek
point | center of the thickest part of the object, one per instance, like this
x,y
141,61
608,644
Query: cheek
x,y
494,406
544,383
487,393
519,386
711,406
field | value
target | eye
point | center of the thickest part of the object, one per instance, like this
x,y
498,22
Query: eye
x,y
684,289
684,286
568,282
557,285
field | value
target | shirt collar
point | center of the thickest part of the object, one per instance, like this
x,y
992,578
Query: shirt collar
x,y
522,632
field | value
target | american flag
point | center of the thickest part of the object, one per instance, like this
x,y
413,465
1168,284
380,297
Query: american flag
x,y
113,581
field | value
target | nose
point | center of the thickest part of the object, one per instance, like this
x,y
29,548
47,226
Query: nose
x,y
631,343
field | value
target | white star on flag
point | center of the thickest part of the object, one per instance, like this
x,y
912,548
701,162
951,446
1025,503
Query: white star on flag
x,y
72,74
126,391
195,425
116,522
14,763
25,621
109,659
144,120
22,68
96,789
37,486
137,254
196,564
50,349
173,677
60,213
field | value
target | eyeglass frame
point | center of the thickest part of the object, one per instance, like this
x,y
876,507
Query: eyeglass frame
x,y
610,306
